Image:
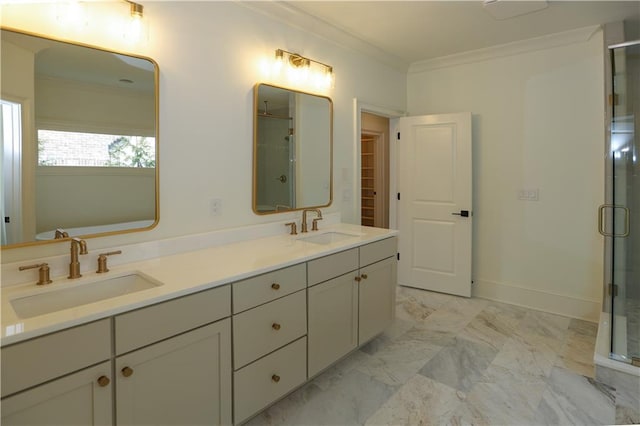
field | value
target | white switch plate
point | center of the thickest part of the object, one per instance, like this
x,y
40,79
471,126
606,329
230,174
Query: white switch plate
x,y
529,194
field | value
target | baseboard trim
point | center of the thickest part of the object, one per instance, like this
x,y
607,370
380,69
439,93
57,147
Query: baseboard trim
x,y
568,306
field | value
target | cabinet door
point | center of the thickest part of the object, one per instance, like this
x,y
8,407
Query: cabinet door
x,y
77,399
377,290
333,321
185,380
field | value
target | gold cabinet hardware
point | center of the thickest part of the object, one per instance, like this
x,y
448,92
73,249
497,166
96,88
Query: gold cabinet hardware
x,y
275,326
275,286
102,261
275,378
358,279
103,381
314,223
294,229
364,276
43,272
127,371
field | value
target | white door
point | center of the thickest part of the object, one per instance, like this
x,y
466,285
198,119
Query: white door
x,y
434,210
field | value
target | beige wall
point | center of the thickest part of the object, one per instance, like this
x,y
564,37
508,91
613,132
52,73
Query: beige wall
x,y
537,123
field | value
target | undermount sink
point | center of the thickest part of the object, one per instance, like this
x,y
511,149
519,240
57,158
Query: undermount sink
x,y
327,237
68,297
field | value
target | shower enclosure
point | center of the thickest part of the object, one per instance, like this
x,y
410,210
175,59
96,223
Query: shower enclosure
x,y
620,217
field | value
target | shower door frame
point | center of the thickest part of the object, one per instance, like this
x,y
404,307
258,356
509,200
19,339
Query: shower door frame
x,y
611,223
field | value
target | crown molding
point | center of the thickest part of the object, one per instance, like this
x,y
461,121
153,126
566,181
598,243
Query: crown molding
x,y
564,38
290,15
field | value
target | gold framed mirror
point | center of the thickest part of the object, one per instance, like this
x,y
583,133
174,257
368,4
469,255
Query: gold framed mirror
x,y
292,150
79,141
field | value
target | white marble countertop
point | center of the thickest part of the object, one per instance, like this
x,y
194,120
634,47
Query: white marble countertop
x,y
180,274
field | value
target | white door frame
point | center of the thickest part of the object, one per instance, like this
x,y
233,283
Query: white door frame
x,y
358,108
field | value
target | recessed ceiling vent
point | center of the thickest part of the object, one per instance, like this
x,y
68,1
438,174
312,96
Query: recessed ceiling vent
x,y
505,9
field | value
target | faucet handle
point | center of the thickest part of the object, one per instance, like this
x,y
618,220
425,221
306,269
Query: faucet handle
x,y
314,223
102,261
43,272
293,226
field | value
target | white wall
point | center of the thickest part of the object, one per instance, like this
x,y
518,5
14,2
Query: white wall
x,y
537,123
209,55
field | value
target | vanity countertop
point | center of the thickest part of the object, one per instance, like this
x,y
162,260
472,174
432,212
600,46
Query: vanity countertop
x,y
180,274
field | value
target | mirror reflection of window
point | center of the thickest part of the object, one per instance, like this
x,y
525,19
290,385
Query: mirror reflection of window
x,y
56,148
90,166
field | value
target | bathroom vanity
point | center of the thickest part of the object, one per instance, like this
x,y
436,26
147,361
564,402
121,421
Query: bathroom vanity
x,y
228,331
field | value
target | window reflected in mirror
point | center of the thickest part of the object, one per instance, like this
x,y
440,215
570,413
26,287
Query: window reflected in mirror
x,y
79,142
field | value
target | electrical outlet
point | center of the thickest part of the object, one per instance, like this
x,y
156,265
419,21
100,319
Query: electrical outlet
x,y
529,194
216,206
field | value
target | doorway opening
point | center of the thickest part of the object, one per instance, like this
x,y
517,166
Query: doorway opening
x,y
11,160
374,173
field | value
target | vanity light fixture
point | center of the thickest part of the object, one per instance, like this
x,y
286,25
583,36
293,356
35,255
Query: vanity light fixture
x,y
137,10
136,30
302,71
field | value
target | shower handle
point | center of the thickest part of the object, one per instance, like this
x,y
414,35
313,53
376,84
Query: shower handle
x,y
601,226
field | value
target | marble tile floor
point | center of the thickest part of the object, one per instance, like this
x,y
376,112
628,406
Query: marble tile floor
x,y
448,360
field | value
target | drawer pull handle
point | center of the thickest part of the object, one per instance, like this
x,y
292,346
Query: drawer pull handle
x,y
103,381
275,286
358,279
275,378
364,276
275,326
127,371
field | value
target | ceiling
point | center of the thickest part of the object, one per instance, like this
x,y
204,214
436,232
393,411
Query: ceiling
x,y
406,32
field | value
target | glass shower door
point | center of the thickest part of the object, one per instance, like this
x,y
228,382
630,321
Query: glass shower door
x,y
624,210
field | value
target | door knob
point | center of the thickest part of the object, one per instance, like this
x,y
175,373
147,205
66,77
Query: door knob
x,y
463,213
127,371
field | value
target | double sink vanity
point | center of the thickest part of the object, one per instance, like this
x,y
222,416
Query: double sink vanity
x,y
203,329
211,336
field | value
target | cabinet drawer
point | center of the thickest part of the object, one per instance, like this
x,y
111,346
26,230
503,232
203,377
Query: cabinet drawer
x,y
267,287
377,251
331,266
263,382
44,358
260,330
148,325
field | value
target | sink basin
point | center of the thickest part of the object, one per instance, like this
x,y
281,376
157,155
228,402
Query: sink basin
x,y
327,237
68,297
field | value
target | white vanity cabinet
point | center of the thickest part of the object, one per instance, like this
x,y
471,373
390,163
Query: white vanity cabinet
x,y
82,398
269,338
351,300
184,376
171,365
38,389
185,380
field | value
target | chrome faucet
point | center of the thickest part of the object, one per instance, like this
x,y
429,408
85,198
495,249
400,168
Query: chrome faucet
x,y
315,221
78,246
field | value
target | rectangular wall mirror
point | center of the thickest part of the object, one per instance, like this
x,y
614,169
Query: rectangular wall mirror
x,y
292,151
79,134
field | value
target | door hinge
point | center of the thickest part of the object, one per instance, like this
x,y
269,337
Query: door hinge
x,y
398,196
613,99
398,255
7,219
613,289
398,135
